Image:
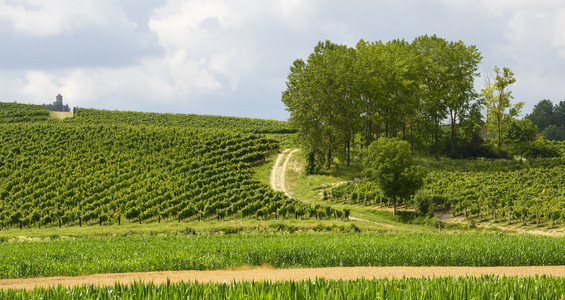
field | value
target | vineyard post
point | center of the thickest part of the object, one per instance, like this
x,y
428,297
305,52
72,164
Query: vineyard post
x,y
100,220
159,219
179,218
79,222
119,219
59,223
20,224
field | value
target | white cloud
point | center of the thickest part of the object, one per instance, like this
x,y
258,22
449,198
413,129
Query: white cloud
x,y
44,18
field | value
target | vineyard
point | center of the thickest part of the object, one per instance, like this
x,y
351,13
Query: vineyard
x,y
530,191
58,173
247,125
485,287
15,112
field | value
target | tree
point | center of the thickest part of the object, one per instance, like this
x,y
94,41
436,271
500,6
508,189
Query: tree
x,y
322,101
543,115
497,95
463,66
389,164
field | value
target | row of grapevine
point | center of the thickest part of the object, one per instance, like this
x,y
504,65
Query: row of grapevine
x,y
528,192
72,174
247,125
16,112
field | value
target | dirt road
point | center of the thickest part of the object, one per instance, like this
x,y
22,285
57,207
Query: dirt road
x,y
278,173
267,274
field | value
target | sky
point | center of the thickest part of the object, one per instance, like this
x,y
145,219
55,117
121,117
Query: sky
x,y
232,57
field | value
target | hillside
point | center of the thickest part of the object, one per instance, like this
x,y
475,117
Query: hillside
x,y
247,125
16,112
101,173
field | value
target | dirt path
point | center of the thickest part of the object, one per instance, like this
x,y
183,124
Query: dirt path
x,y
60,115
266,274
278,173
377,223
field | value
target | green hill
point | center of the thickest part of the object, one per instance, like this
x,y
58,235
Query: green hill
x,y
98,173
16,112
247,125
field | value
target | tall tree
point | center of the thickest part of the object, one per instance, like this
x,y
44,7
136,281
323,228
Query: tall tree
x,y
322,101
543,114
496,92
434,85
463,66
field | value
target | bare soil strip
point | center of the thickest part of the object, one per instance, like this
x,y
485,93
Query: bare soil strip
x,y
266,274
61,115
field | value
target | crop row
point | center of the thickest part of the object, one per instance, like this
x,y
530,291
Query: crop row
x,y
248,125
485,287
200,252
16,112
70,173
531,192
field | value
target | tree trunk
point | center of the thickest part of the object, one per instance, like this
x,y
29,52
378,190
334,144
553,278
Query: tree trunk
x,y
394,205
508,212
452,115
348,145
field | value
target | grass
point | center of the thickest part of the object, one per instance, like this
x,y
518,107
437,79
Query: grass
x,y
309,189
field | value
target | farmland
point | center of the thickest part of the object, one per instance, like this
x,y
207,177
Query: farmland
x,y
485,287
208,252
114,192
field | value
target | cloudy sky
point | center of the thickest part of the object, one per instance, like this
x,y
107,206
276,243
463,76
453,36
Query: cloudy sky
x,y
232,57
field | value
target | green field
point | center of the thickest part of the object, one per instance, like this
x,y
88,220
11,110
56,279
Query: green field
x,y
132,192
203,252
486,287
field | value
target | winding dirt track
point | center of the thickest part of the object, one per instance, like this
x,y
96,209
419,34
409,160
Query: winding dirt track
x,y
264,274
278,173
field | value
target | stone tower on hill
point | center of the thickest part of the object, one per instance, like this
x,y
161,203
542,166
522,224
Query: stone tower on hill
x,y
58,105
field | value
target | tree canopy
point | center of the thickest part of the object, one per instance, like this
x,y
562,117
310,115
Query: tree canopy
x,y
392,89
388,163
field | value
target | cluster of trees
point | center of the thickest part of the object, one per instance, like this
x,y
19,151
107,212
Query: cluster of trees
x,y
550,119
393,89
420,91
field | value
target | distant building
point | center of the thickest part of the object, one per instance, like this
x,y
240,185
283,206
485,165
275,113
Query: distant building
x,y
58,105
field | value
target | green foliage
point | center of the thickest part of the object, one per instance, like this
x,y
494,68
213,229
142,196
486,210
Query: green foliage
x,y
200,252
546,114
389,164
423,202
535,149
554,133
496,95
484,287
15,112
73,173
340,94
521,131
247,125
531,191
